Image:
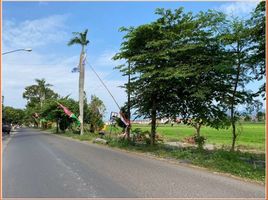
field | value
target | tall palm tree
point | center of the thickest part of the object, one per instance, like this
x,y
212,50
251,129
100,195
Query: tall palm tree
x,y
81,39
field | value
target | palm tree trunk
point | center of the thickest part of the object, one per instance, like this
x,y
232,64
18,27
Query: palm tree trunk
x,y
81,91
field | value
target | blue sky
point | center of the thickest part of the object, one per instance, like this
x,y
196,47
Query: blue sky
x,y
46,27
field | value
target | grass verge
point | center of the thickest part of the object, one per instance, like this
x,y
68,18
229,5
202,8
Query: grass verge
x,y
245,165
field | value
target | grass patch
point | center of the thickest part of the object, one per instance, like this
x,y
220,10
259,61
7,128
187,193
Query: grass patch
x,y
236,163
252,134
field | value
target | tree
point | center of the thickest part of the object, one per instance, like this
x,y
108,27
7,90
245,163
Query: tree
x,y
146,95
260,116
257,35
198,73
247,118
237,44
52,112
94,113
13,115
36,95
81,39
176,65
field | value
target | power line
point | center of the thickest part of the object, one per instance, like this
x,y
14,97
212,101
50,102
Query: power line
x,y
104,85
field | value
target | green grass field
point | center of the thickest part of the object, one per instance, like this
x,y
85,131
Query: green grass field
x,y
252,135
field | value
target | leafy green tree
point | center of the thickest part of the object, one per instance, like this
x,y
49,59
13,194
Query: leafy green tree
x,y
13,115
176,65
237,42
52,112
198,73
257,36
38,93
260,116
29,116
94,113
247,118
145,92
145,48
81,39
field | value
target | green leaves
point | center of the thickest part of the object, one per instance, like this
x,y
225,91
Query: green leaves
x,y
192,66
80,38
93,113
13,115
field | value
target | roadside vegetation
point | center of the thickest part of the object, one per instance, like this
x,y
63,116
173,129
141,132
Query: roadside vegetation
x,y
246,165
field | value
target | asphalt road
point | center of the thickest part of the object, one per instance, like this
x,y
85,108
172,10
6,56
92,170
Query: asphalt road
x,y
36,164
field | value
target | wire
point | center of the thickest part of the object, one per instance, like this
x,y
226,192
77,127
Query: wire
x,y
104,85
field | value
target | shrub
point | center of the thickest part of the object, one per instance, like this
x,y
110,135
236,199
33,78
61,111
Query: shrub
x,y
200,141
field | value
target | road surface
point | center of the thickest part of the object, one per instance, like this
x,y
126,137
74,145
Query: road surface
x,y
37,164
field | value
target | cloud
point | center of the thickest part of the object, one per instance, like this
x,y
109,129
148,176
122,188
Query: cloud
x,y
105,61
22,68
241,9
17,76
34,33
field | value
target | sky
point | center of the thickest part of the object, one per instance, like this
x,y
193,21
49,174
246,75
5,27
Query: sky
x,y
46,27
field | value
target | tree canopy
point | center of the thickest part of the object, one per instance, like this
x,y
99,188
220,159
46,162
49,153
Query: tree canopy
x,y
192,66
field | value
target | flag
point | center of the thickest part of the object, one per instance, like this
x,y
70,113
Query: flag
x,y
123,119
69,113
76,69
35,115
84,59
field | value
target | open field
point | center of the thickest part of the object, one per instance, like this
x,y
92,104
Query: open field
x,y
252,134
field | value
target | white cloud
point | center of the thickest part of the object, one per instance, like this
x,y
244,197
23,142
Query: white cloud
x,y
105,60
33,33
241,8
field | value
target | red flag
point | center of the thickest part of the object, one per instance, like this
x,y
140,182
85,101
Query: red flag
x,y
66,110
123,119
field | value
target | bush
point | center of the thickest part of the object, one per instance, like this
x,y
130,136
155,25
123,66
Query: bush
x,y
144,136
140,136
200,141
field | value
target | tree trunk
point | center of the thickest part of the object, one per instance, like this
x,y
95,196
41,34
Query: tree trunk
x,y
81,91
197,128
57,124
233,100
153,125
128,103
234,136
